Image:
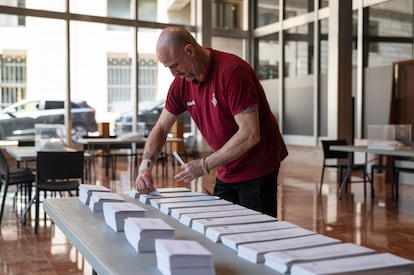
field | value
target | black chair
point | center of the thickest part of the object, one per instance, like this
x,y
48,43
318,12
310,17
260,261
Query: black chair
x,y
57,171
341,159
397,168
189,147
22,178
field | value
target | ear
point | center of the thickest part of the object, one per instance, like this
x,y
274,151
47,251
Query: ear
x,y
189,50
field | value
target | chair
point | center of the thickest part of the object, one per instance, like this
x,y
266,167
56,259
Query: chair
x,y
23,178
399,167
57,171
341,163
189,147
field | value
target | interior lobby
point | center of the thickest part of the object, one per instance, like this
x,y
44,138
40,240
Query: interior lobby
x,y
330,70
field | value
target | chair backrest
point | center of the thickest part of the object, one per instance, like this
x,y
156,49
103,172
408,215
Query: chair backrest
x,y
331,154
59,165
189,144
4,166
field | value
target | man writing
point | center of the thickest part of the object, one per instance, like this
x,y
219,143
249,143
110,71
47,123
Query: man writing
x,y
227,103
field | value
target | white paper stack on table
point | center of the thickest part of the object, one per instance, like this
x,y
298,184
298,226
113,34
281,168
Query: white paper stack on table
x,y
115,213
234,240
188,218
202,224
216,232
378,264
145,198
282,261
135,194
254,252
98,198
156,203
141,233
177,211
85,191
166,208
183,257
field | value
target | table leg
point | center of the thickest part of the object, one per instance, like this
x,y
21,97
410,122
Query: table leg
x,y
347,176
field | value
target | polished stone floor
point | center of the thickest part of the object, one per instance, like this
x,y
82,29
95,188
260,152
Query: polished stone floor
x,y
377,223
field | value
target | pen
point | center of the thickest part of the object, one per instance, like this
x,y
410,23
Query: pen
x,y
178,158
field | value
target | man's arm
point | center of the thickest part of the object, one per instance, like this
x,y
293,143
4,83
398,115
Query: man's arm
x,y
152,149
245,138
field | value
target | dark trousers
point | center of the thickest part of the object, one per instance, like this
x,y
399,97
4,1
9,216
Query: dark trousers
x,y
259,194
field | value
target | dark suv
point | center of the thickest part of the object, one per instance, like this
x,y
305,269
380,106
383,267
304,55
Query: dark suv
x,y
17,120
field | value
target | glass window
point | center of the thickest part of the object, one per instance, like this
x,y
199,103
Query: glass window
x,y
390,32
173,12
12,77
267,12
119,82
323,3
299,50
227,15
51,5
231,45
267,60
297,7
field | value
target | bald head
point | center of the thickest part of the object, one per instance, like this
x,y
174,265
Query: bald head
x,y
174,38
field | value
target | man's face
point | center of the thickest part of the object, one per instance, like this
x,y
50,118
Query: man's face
x,y
179,62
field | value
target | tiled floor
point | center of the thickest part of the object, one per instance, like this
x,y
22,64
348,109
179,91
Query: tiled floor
x,y
379,223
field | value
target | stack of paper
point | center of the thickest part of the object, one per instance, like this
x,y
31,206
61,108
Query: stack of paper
x,y
215,233
378,264
183,257
282,261
141,233
166,208
115,213
177,212
85,191
98,198
202,224
156,203
255,252
135,194
234,240
188,218
146,198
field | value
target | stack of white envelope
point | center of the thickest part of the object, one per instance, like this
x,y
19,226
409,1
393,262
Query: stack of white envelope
x,y
98,198
85,191
115,213
141,233
183,257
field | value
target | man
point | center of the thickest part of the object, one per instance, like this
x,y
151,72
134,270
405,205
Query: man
x,y
227,103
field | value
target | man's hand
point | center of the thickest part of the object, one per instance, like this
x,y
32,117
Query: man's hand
x,y
144,183
191,171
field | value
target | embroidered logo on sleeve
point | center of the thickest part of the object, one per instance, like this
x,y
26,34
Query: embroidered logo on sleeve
x,y
191,103
214,100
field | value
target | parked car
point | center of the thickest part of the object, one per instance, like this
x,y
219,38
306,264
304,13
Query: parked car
x,y
148,117
17,121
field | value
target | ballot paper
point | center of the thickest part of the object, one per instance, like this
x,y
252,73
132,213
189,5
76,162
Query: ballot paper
x,y
183,257
135,194
98,198
215,233
115,213
188,218
166,208
141,233
202,224
254,252
156,203
378,264
85,191
177,211
282,261
234,240
146,198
